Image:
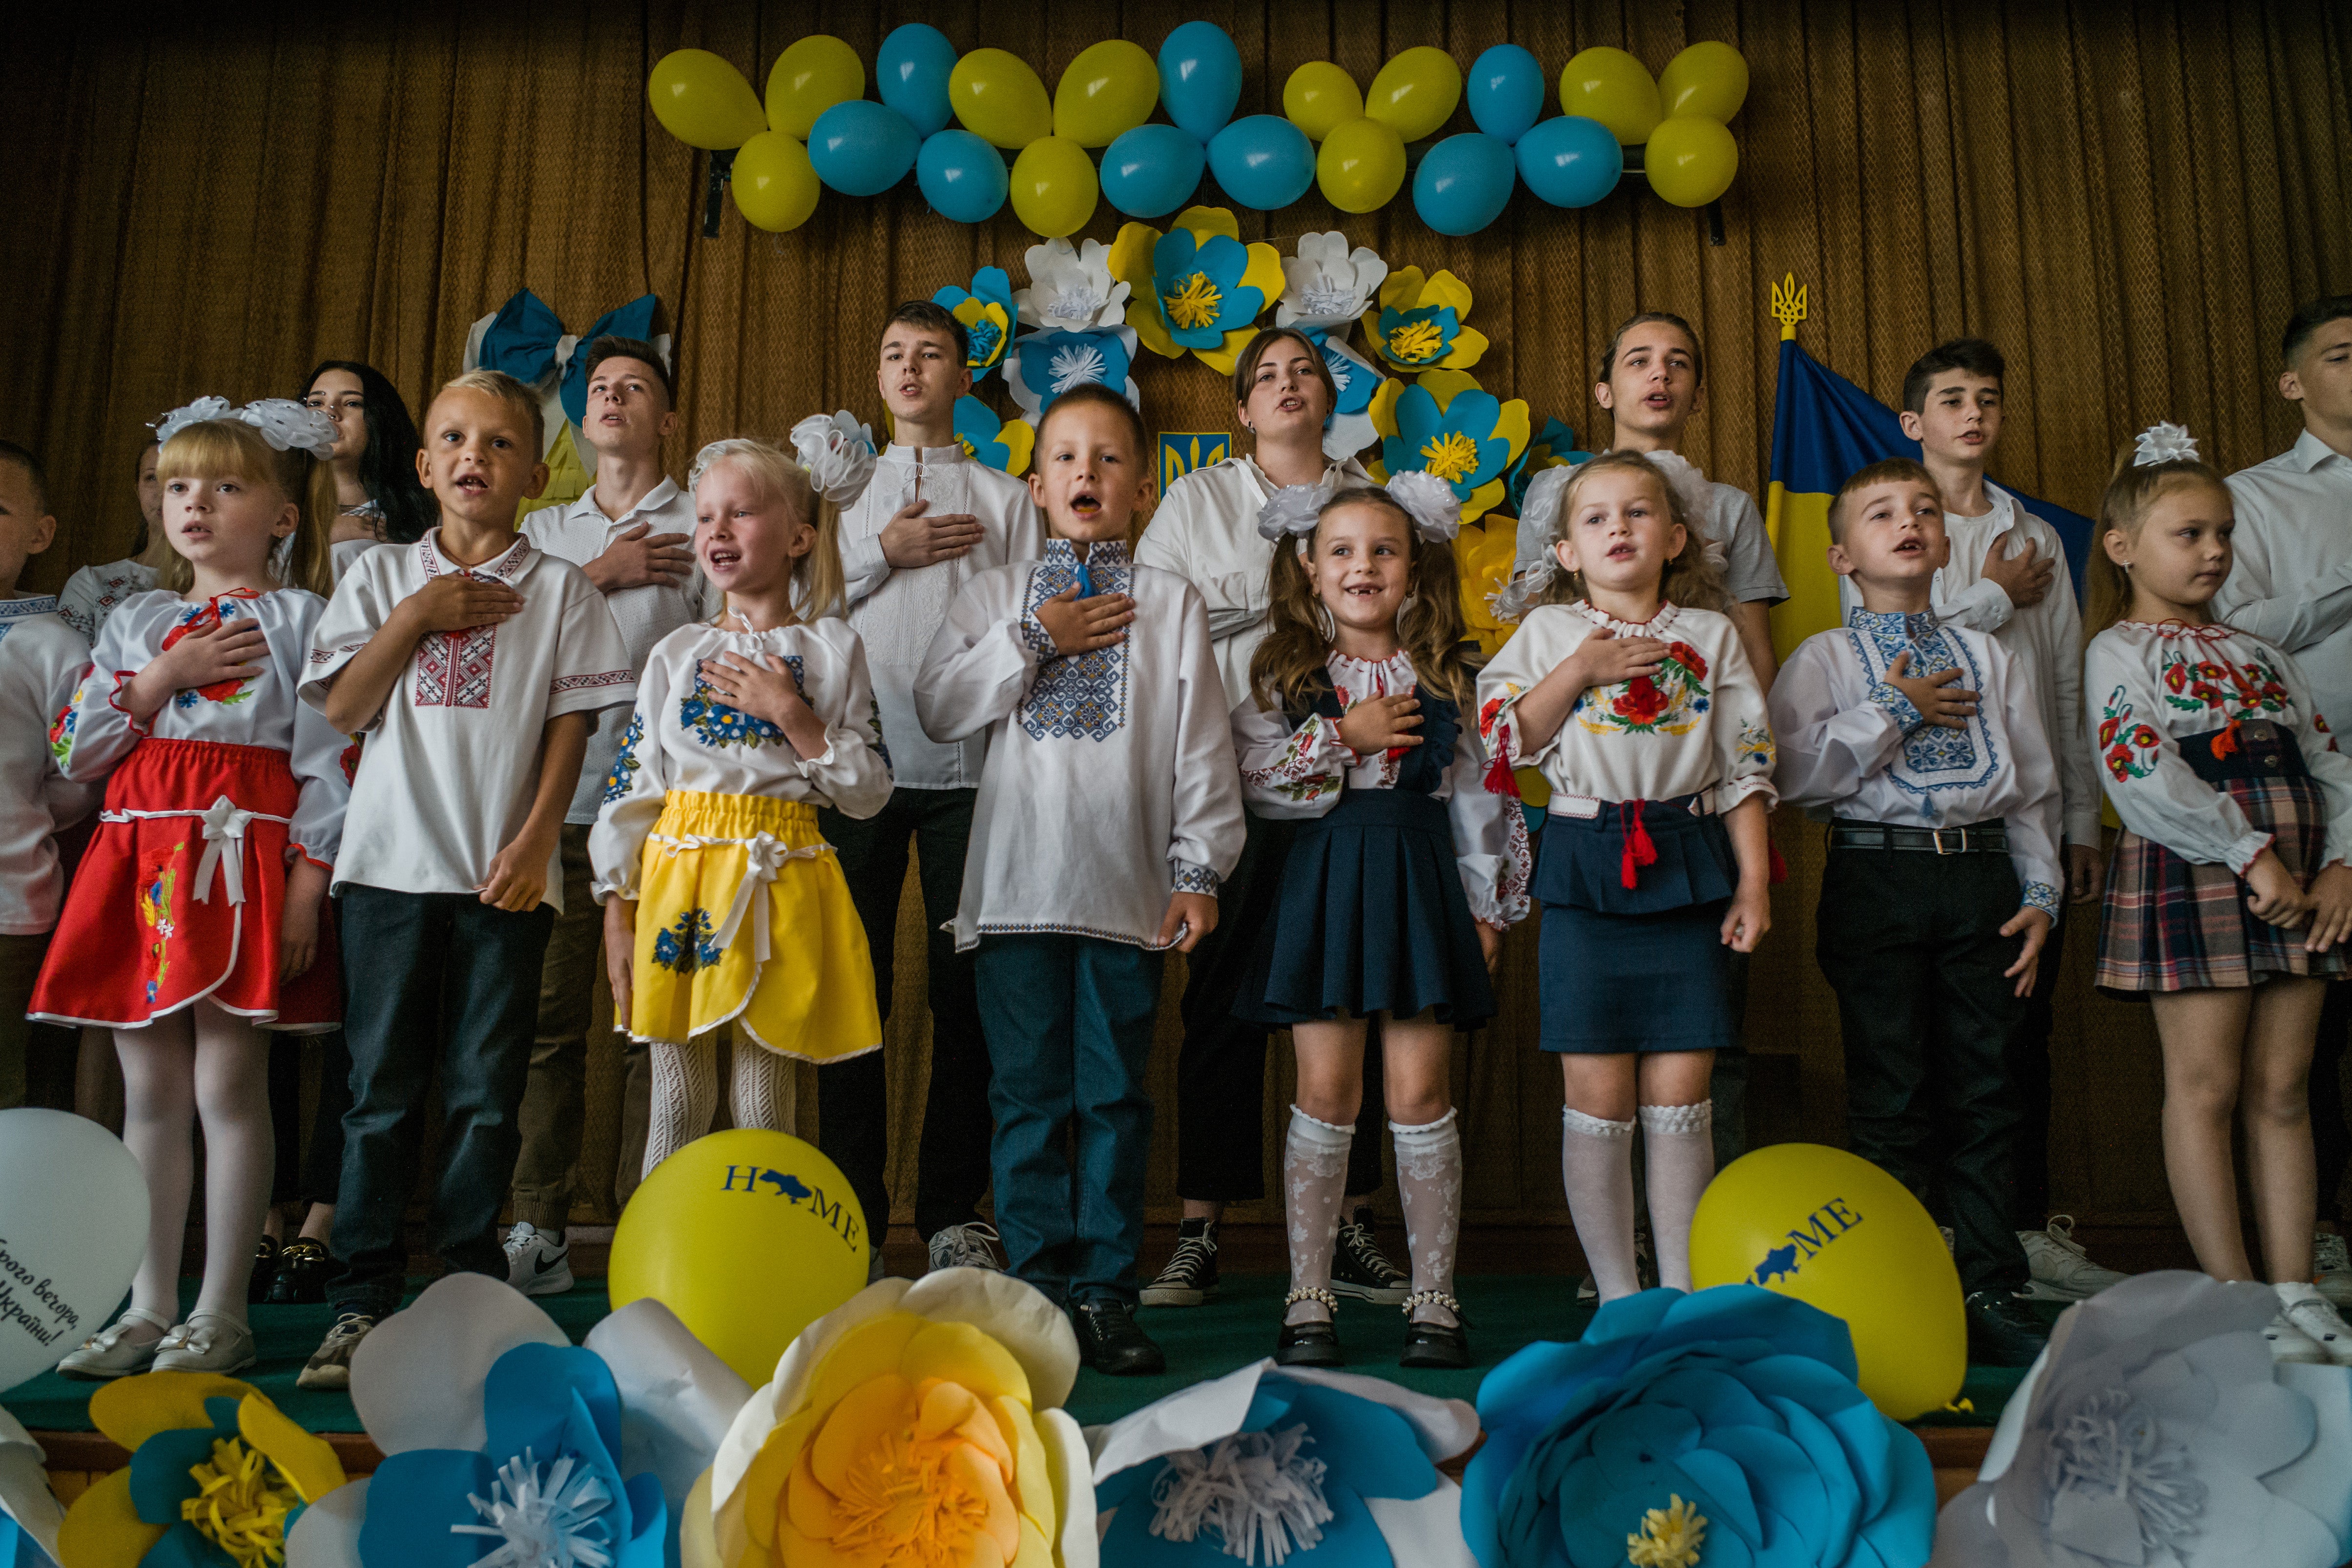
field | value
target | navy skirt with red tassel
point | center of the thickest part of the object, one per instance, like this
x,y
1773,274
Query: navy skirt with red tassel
x,y
1632,956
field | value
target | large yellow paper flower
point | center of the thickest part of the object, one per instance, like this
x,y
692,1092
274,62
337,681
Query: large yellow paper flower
x,y
1417,325
916,1426
1483,556
1196,289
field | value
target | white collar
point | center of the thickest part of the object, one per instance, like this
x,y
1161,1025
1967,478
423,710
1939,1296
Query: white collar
x,y
2309,451
501,568
43,605
1667,613
654,499
951,453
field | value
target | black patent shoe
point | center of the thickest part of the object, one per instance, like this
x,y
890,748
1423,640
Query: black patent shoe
x,y
1109,1342
264,1270
1441,1346
1311,1344
2003,1331
303,1269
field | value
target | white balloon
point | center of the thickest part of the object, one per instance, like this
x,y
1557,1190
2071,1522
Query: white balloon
x,y
73,1224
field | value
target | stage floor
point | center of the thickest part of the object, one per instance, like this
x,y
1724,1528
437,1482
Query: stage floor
x,y
1507,1311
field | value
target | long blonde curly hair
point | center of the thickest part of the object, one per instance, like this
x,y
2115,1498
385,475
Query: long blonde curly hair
x,y
1691,579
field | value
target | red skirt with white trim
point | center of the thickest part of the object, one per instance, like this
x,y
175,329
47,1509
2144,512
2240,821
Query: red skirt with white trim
x,y
182,896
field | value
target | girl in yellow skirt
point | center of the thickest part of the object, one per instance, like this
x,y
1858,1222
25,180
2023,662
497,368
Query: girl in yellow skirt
x,y
722,902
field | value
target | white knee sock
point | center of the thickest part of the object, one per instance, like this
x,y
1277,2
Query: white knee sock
x,y
1596,1163
685,1096
159,1111
761,1087
1314,1183
1429,1181
1678,1152
231,1081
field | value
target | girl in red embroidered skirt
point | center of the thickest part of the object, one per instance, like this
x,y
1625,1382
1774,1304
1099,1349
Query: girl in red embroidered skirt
x,y
194,922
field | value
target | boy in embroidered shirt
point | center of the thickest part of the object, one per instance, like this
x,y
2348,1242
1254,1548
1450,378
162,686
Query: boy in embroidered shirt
x,y
629,531
1922,745
930,520
1109,809
475,666
41,660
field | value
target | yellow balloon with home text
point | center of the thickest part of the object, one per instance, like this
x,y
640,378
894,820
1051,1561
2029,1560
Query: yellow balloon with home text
x,y
1836,1232
703,101
749,1237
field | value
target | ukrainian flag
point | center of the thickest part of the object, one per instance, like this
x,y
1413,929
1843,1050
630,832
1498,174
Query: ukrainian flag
x,y
1824,427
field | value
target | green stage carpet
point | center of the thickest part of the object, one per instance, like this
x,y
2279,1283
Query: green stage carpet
x,y
1507,1311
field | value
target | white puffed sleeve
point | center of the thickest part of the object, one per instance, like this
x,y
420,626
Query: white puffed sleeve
x,y
353,617
1830,736
316,749
95,733
1549,636
635,788
1490,837
2151,785
1205,837
2036,820
981,659
1288,773
855,772
1741,730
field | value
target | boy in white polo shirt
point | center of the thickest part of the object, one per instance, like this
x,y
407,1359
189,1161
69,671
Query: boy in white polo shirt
x,y
475,666
631,531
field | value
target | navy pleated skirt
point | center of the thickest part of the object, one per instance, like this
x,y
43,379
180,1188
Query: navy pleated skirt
x,y
1630,969
1371,918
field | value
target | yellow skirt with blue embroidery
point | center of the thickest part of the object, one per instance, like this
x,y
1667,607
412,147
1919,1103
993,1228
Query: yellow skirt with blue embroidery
x,y
743,917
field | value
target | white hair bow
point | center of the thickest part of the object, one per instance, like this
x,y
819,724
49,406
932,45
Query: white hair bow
x,y
1292,511
2163,443
285,423
1430,502
839,453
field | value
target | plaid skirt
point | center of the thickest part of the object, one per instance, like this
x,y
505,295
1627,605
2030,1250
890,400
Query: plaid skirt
x,y
2167,924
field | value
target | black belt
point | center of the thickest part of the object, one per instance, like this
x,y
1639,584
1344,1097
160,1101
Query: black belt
x,y
1977,838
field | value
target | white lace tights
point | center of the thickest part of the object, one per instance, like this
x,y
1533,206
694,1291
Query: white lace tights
x,y
686,1093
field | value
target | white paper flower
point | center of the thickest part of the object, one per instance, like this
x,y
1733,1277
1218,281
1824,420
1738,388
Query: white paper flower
x,y
1355,378
1326,284
1071,289
2164,444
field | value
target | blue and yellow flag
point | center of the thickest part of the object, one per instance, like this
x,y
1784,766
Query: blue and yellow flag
x,y
1824,427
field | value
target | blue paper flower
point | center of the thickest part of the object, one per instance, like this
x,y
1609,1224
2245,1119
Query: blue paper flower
x,y
1268,1461
1048,363
1349,429
1197,289
987,312
1445,423
1722,1427
1554,447
1003,445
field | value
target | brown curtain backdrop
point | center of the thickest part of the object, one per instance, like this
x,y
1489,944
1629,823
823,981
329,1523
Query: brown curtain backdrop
x,y
2128,198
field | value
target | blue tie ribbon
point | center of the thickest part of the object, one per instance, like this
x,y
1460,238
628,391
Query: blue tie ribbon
x,y
522,338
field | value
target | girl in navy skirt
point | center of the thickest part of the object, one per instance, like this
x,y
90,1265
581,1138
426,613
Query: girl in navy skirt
x,y
1628,687
2227,900
1406,871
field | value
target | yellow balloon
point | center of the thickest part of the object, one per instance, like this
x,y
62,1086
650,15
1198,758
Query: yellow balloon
x,y
776,187
1690,160
809,77
999,99
749,1237
1612,87
1362,165
1708,80
1054,188
1107,92
1416,92
1320,98
703,101
1832,1229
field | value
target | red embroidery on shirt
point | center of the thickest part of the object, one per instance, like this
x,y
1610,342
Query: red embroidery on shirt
x,y
453,668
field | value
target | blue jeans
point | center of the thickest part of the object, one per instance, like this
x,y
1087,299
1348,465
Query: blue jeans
x,y
435,980
1069,1022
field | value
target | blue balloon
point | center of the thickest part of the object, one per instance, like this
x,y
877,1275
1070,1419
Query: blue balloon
x,y
1200,77
1463,183
961,176
912,71
1263,160
1151,171
862,148
1506,91
1569,160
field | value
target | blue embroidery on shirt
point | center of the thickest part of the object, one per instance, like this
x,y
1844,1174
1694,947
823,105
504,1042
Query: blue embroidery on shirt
x,y
623,775
714,723
1934,758
1084,695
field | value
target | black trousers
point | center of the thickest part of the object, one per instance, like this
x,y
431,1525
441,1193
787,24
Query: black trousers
x,y
1221,1071
852,1103
2029,1071
2331,1139
310,1176
1911,942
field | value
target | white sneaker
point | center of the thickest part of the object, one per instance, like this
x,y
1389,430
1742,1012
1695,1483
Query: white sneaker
x,y
969,1245
2309,1312
537,1263
2288,1342
2331,1268
2063,1270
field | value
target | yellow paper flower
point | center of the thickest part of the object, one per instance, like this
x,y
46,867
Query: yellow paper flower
x,y
916,1426
1483,556
1196,289
1417,325
1446,426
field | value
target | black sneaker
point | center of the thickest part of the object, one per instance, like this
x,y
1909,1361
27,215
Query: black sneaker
x,y
1191,1276
1109,1341
1359,1270
2003,1331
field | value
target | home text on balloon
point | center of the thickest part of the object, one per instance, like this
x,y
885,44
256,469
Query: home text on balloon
x,y
757,1181
1806,1242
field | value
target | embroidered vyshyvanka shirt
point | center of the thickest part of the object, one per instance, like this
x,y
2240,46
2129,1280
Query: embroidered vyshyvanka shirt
x,y
897,610
42,658
1698,727
682,735
1301,772
262,709
451,762
1853,746
95,593
2154,686
1110,781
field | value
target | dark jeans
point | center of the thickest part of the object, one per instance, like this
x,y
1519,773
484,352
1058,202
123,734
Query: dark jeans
x,y
1911,942
308,1176
1069,1022
436,980
2029,1072
2331,1139
853,1100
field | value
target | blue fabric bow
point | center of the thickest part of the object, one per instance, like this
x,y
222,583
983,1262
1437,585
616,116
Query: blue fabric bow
x,y
524,335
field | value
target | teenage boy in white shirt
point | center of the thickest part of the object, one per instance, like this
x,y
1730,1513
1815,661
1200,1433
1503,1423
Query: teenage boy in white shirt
x,y
930,518
631,532
2293,584
475,666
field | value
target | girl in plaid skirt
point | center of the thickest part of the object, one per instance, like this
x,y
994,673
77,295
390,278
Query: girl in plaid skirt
x,y
2228,901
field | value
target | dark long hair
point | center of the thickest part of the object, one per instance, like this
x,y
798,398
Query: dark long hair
x,y
388,466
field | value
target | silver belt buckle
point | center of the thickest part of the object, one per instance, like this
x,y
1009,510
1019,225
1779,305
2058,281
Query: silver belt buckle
x,y
1937,834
